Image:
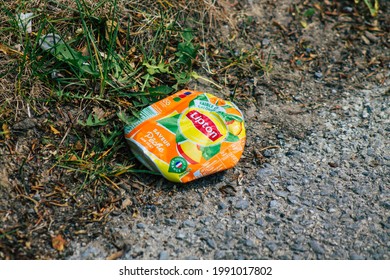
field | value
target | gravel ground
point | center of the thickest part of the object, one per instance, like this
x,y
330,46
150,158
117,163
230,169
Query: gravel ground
x,y
323,195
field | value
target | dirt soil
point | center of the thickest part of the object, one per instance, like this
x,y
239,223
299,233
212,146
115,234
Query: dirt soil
x,y
303,61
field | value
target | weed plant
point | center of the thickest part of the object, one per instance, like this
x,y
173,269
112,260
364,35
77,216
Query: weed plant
x,y
100,58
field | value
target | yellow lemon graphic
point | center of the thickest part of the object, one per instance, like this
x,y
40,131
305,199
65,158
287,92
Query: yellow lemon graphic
x,y
190,151
215,100
234,127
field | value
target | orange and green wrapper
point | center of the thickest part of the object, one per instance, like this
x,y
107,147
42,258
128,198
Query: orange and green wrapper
x,y
188,135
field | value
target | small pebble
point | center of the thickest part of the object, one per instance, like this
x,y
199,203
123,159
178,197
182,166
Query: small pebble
x,y
267,153
386,205
211,243
291,188
274,204
260,222
357,257
219,255
347,9
318,75
141,226
180,235
242,204
271,218
170,222
272,246
265,172
250,243
265,42
298,247
222,206
316,247
189,223
290,153
293,199
280,136
164,255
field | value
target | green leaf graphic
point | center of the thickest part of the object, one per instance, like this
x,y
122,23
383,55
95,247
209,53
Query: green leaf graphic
x,y
170,123
232,138
209,152
230,117
179,137
201,97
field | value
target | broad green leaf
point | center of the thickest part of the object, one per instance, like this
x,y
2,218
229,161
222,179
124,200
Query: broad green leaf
x,y
93,120
309,12
155,69
187,35
182,77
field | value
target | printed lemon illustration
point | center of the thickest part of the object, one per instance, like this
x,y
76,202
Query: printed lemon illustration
x,y
190,151
232,111
234,127
215,100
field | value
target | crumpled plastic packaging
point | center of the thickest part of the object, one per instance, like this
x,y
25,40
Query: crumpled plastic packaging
x,y
188,135
25,23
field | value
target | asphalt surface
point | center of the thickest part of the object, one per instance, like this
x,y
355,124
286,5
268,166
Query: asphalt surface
x,y
321,195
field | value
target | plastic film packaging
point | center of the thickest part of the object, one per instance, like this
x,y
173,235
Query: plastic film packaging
x,y
188,135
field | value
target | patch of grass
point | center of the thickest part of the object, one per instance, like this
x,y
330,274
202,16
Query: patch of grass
x,y
89,51
86,68
372,7
103,55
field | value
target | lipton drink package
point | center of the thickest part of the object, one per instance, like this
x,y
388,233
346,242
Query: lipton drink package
x,y
188,135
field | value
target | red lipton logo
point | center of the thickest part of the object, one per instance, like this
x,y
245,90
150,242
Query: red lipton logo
x,y
204,125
